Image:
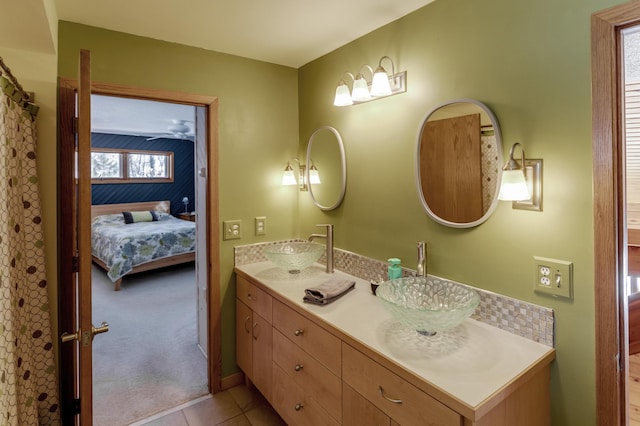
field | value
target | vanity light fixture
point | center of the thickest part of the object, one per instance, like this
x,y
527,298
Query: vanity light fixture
x,y
343,96
361,86
289,176
314,176
522,182
382,85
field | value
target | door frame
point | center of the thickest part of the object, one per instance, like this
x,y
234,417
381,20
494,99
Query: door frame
x,y
66,319
611,324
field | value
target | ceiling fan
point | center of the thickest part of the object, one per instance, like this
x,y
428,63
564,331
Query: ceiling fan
x,y
177,130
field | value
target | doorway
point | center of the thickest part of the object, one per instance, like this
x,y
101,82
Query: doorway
x,y
610,212
206,121
154,356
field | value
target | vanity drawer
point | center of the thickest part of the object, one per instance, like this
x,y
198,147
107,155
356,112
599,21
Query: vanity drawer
x,y
396,397
256,299
316,341
293,405
357,410
316,380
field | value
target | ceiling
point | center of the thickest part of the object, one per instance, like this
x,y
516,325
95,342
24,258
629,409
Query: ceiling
x,y
285,32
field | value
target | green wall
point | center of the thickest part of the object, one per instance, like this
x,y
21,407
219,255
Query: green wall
x,y
258,128
530,63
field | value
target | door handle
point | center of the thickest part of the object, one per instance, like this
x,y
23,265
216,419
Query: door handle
x,y
67,337
104,327
85,338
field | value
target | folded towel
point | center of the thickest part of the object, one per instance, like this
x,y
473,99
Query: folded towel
x,y
328,291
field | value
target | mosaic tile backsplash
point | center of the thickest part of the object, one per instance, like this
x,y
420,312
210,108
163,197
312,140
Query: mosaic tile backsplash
x,y
524,319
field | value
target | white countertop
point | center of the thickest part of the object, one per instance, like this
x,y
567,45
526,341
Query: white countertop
x,y
470,362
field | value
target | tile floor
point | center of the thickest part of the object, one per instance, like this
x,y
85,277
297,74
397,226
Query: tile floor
x,y
238,406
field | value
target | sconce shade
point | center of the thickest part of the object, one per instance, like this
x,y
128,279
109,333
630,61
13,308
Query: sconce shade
x,y
514,186
360,89
343,97
380,85
314,176
514,183
288,178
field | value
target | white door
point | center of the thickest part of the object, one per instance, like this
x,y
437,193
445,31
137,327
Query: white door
x,y
202,264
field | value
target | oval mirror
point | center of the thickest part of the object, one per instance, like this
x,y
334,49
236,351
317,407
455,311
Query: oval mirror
x,y
459,163
325,155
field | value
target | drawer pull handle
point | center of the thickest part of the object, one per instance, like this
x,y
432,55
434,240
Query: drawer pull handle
x,y
246,320
395,401
299,407
250,297
299,332
256,327
299,367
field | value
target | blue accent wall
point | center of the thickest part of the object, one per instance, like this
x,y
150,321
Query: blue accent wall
x,y
184,168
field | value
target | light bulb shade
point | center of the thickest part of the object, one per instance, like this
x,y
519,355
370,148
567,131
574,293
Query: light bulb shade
x,y
314,176
288,177
343,97
360,89
514,186
380,85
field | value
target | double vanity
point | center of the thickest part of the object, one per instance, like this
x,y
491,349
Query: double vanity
x,y
351,363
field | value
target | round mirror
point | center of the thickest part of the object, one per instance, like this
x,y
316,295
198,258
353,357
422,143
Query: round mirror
x,y
459,163
326,168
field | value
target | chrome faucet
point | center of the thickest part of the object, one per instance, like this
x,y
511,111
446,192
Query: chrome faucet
x,y
421,270
329,238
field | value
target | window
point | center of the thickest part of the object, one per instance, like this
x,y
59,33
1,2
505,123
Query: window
x,y
130,166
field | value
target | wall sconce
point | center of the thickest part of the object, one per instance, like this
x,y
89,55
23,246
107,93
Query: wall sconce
x,y
522,182
382,85
289,176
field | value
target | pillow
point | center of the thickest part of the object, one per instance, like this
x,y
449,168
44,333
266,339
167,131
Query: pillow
x,y
135,217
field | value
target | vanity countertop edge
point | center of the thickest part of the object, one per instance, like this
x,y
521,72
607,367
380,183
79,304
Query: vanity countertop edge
x,y
483,366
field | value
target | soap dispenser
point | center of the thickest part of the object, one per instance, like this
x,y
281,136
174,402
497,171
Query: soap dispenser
x,y
394,269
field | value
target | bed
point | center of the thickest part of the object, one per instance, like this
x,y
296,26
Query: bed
x,y
127,248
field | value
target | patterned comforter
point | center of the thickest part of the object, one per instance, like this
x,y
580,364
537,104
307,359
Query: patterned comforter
x,y
122,246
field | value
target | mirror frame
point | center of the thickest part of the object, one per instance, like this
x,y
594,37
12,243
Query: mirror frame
x,y
496,129
344,167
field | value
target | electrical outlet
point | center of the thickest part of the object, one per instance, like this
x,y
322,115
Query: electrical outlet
x,y
261,225
554,277
232,229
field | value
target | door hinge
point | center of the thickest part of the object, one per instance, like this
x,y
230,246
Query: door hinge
x,y
75,264
75,125
76,406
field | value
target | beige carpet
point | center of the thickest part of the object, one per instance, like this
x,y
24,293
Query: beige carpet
x,y
149,360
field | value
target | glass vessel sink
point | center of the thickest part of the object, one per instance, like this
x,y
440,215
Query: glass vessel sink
x,y
428,304
294,256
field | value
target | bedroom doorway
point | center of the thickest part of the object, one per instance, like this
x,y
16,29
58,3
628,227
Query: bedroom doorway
x,y
206,124
143,152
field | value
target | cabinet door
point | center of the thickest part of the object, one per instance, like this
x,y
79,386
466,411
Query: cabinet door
x,y
356,409
244,341
262,335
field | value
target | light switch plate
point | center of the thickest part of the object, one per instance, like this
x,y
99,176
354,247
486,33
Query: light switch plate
x,y
553,277
261,225
232,229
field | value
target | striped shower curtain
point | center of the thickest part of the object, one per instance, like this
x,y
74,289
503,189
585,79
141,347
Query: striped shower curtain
x,y
28,385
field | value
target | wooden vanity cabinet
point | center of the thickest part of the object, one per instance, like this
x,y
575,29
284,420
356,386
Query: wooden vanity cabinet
x,y
254,335
314,374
